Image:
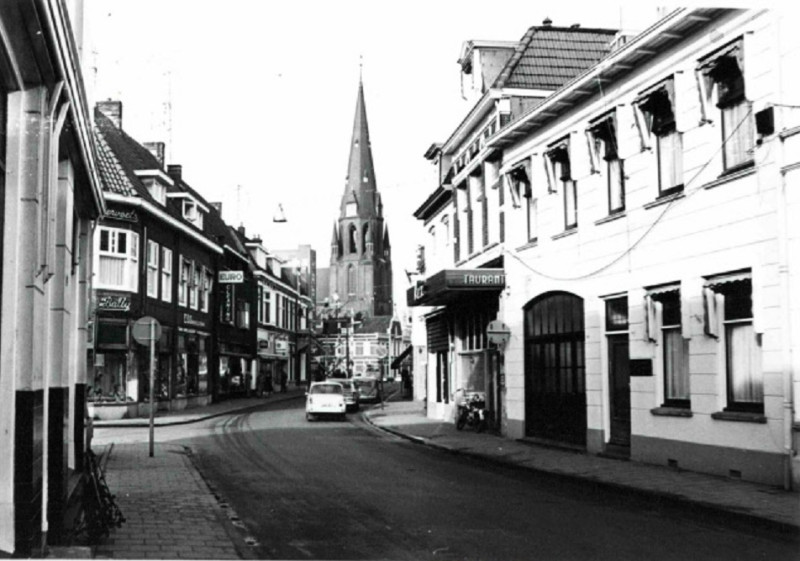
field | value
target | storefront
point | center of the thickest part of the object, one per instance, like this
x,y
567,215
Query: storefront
x,y
461,359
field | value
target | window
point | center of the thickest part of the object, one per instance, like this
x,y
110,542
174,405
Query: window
x,y
266,300
359,349
166,274
259,307
243,314
206,283
152,269
675,349
351,279
183,283
192,213
604,138
729,304
723,72
656,116
562,173
157,190
446,230
353,237
117,259
194,286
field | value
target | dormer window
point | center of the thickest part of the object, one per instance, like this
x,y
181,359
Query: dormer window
x,y
157,190
192,213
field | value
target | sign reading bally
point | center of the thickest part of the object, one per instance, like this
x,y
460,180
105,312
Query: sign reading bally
x,y
231,277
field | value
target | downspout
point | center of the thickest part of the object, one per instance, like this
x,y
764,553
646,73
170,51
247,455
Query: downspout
x,y
785,288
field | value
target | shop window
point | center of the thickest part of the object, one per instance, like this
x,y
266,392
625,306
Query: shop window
x,y
560,172
166,274
729,317
722,73
109,383
605,159
664,313
152,268
117,259
656,120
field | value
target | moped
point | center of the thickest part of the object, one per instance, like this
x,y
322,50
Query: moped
x,y
472,412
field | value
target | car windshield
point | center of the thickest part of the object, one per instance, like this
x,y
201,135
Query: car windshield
x,y
326,388
366,384
348,386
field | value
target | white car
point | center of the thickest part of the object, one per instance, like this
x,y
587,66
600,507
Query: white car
x,y
325,398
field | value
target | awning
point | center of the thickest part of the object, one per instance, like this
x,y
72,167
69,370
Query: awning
x,y
449,285
399,358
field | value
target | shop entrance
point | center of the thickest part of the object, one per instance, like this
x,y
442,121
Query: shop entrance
x,y
555,375
480,373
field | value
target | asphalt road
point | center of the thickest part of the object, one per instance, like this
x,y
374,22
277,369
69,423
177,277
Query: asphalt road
x,y
344,490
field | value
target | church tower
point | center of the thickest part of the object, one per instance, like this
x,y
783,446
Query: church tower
x,y
361,261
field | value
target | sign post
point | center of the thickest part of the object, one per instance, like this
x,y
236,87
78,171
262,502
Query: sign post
x,y
147,331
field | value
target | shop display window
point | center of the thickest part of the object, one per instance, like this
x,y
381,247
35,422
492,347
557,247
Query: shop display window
x,y
109,383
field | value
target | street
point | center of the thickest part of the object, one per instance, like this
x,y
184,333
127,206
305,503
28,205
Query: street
x,y
345,490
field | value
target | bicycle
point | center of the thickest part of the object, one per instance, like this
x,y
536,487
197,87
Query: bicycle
x,y
100,512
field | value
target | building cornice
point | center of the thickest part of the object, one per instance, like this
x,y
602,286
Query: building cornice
x,y
163,215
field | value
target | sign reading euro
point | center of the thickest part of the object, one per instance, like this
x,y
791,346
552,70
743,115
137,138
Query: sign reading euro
x,y
231,277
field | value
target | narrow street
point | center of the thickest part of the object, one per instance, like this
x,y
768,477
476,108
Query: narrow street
x,y
345,490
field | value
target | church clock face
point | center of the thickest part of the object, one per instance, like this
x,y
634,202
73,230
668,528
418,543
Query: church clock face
x,y
351,209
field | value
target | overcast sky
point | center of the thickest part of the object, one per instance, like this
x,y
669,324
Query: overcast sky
x,y
256,98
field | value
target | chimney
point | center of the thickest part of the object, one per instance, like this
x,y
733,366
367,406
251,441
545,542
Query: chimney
x,y
547,22
112,110
241,230
175,171
217,206
157,149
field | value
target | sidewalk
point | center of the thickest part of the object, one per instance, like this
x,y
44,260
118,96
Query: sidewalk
x,y
166,418
170,512
748,501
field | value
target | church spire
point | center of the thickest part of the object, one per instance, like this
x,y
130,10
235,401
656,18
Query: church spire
x,y
361,185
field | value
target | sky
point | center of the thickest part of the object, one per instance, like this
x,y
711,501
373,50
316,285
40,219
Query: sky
x,y
256,99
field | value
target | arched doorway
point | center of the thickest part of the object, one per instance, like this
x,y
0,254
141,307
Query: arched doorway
x,y
555,373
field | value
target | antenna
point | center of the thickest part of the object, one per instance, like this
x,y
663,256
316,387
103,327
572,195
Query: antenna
x,y
169,114
238,204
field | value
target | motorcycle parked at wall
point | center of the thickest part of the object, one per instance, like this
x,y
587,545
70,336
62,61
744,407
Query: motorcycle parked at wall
x,y
472,412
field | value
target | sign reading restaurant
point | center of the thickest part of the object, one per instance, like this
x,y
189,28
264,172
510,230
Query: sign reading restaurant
x,y
449,283
231,277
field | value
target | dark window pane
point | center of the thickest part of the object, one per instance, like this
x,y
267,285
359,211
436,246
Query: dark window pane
x,y
617,314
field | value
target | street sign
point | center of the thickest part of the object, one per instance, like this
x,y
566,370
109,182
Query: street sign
x,y
381,350
146,329
498,332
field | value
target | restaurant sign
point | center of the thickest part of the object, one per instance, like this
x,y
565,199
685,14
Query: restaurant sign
x,y
450,284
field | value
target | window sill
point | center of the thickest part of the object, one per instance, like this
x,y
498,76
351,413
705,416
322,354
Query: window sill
x,y
666,411
490,246
533,243
611,217
731,175
665,200
739,416
565,233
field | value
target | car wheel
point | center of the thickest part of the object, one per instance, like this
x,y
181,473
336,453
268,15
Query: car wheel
x,y
309,417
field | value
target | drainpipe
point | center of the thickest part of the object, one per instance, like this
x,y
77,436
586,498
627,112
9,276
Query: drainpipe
x,y
784,282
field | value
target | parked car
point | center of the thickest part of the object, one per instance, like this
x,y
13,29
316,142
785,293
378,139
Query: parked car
x,y
369,389
351,396
325,398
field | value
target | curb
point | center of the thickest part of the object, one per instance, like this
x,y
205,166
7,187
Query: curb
x,y
146,424
678,500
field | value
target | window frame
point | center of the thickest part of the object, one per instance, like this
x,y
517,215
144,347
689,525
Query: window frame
x,y
655,110
153,268
130,257
166,274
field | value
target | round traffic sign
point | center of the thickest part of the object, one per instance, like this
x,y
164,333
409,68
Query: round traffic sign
x,y
146,330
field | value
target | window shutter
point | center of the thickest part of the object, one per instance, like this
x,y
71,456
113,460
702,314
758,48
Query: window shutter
x,y
686,317
757,301
645,137
756,86
456,237
650,319
710,313
549,175
502,226
628,138
704,92
687,107
579,159
594,157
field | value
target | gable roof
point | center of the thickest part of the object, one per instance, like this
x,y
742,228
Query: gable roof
x,y
374,324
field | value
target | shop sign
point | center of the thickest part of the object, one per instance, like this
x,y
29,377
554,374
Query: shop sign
x,y
188,319
227,305
231,277
484,278
114,302
126,215
449,284
498,333
263,344
282,347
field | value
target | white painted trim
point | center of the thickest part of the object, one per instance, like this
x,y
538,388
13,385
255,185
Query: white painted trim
x,y
194,199
154,173
263,275
162,215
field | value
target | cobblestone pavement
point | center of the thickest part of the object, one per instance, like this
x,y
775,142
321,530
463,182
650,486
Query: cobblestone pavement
x,y
758,503
170,512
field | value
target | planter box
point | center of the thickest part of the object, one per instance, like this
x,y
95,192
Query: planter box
x,y
111,411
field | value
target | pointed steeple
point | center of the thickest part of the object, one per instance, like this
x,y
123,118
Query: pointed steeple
x,y
360,186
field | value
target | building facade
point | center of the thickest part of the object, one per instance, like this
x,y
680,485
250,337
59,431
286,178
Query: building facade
x,y
49,196
650,254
